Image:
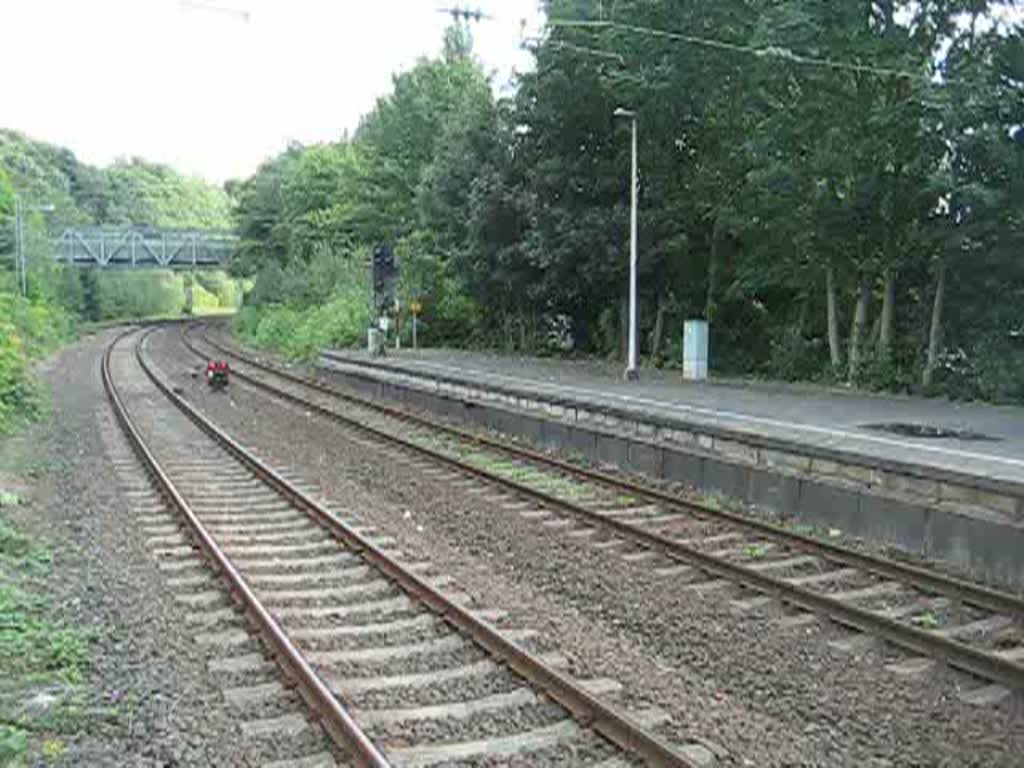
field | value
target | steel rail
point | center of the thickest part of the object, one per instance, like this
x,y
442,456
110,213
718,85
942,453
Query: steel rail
x,y
335,719
968,592
950,651
615,726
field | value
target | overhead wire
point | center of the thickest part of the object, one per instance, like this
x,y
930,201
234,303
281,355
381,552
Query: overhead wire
x,y
763,52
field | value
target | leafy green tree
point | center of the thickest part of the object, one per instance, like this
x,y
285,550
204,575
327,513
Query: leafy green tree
x,y
262,226
402,132
824,183
145,194
135,193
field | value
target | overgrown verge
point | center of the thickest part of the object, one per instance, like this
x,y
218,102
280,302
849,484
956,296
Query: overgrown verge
x,y
44,663
295,314
28,329
33,327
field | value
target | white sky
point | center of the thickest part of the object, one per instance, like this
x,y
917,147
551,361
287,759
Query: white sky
x,y
210,93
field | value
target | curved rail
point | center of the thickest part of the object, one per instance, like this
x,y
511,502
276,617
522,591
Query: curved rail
x,y
338,723
949,650
586,708
975,594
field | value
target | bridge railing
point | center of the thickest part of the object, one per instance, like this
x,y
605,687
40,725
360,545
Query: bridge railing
x,y
145,247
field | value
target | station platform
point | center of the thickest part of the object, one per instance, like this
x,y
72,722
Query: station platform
x,y
991,445
860,446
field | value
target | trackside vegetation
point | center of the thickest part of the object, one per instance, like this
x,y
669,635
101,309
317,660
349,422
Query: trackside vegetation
x,y
298,315
43,662
56,190
837,188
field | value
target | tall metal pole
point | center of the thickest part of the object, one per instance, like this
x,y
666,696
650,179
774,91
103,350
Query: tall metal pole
x,y
19,247
17,244
631,373
24,255
20,256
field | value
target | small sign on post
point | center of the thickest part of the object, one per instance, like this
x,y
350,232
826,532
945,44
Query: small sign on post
x,y
415,308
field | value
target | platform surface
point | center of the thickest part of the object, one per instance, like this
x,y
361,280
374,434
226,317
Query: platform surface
x,y
802,414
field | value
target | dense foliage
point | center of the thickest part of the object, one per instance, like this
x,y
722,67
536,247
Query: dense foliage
x,y
837,188
310,217
131,192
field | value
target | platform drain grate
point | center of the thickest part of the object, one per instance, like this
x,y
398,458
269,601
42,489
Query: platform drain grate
x,y
930,431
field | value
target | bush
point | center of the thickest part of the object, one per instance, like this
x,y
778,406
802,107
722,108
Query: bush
x,y
16,397
299,309
203,302
301,333
214,291
450,316
794,356
27,329
993,370
139,294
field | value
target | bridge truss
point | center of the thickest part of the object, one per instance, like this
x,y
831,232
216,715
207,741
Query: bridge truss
x,y
134,247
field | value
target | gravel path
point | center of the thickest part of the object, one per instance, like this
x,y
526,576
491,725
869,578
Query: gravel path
x,y
758,694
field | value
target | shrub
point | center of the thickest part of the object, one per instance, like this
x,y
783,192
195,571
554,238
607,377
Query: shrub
x,y
300,334
301,308
16,396
27,329
139,294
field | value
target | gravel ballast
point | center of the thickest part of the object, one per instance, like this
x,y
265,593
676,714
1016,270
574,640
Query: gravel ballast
x,y
144,658
756,693
123,569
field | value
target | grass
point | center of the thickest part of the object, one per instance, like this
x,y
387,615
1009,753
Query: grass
x,y
537,479
926,620
13,745
8,499
531,477
39,658
755,551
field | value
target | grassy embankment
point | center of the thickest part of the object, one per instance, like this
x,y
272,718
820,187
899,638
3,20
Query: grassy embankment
x,y
28,330
44,663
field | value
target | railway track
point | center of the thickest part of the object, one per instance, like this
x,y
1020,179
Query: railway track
x,y
397,671
932,617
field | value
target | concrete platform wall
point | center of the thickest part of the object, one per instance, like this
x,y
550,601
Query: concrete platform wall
x,y
986,541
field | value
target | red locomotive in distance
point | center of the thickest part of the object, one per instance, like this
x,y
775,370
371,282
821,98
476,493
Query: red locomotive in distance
x,y
217,372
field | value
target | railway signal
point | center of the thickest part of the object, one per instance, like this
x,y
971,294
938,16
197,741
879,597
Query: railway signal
x,y
385,276
383,281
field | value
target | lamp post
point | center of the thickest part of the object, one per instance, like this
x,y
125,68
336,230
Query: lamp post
x,y
19,239
631,373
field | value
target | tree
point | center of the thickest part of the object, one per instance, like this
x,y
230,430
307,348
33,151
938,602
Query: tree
x,y
127,193
824,183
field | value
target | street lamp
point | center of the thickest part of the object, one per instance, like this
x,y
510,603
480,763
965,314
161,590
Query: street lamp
x,y
631,373
19,239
